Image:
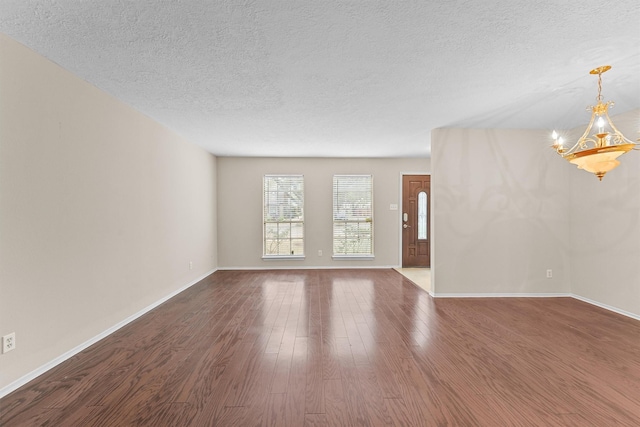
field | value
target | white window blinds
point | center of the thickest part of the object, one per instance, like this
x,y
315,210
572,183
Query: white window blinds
x,y
352,215
283,215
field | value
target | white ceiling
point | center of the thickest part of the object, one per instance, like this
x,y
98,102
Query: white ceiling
x,y
340,78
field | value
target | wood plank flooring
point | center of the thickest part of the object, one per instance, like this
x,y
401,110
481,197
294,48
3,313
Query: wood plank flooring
x,y
345,348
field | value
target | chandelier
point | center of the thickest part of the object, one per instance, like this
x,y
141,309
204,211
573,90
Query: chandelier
x,y
600,145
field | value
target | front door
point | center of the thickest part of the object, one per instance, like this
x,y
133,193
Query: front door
x,y
416,190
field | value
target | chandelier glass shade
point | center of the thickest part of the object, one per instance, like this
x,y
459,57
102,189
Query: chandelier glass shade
x,y
599,147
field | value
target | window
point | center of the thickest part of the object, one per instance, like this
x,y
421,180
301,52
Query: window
x,y
352,215
283,215
422,215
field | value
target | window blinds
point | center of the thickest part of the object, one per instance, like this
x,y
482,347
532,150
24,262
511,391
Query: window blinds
x,y
353,215
283,215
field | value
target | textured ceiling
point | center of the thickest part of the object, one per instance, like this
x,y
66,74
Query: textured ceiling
x,y
359,78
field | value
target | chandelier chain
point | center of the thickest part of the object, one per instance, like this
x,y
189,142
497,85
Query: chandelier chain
x,y
599,98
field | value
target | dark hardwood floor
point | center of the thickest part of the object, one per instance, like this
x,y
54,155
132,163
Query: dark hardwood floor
x,y
345,348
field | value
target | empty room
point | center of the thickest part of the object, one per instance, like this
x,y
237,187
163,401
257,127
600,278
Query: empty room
x,y
319,213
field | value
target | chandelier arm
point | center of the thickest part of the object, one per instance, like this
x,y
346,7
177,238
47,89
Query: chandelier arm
x,y
615,129
582,140
569,151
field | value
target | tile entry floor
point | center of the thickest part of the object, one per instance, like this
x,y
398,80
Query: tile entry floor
x,y
420,276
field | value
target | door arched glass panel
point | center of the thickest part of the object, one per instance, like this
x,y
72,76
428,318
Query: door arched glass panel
x,y
422,215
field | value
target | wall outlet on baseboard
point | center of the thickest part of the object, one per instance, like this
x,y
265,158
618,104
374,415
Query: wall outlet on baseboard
x,y
549,274
8,342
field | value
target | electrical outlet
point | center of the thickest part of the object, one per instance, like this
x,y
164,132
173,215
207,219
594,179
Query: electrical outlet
x,y
8,342
319,252
549,274
190,265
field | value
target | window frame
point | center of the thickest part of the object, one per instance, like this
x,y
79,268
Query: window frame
x,y
266,207
346,255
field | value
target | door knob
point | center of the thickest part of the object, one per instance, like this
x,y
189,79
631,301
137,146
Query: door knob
x,y
405,226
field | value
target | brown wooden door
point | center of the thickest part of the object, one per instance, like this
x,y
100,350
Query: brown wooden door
x,y
416,212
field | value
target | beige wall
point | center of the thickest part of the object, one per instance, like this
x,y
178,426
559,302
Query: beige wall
x,y
506,208
240,208
605,229
101,210
500,205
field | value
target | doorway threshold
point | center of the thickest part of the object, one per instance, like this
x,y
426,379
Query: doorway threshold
x,y
421,276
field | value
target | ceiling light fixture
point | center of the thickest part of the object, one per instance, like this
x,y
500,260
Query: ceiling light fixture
x,y
601,143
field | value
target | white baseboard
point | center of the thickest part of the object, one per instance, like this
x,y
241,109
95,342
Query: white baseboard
x,y
44,368
547,295
501,295
607,307
309,267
